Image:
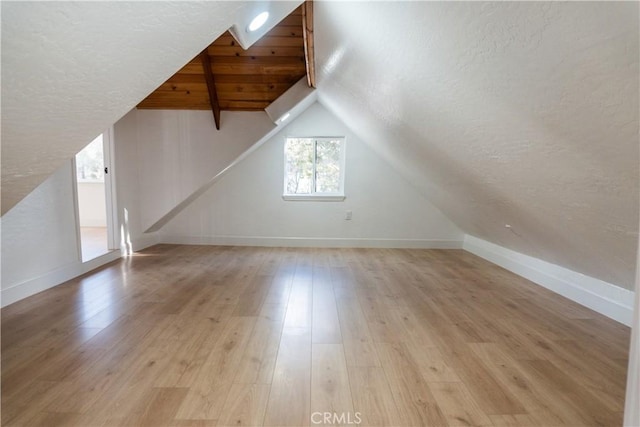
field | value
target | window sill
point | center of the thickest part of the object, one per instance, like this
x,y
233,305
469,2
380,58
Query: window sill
x,y
312,198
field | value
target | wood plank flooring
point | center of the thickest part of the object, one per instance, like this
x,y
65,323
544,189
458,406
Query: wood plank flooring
x,y
237,336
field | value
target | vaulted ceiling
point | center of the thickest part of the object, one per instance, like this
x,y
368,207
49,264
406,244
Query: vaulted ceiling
x,y
241,79
505,113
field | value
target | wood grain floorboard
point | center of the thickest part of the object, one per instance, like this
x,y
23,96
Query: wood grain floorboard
x,y
200,336
330,390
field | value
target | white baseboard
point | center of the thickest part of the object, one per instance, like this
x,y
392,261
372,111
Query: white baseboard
x,y
140,243
145,241
54,278
607,299
93,222
312,242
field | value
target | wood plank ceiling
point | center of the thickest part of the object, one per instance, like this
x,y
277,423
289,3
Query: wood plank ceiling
x,y
227,77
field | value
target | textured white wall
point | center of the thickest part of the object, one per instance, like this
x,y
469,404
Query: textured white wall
x,y
176,152
247,201
519,113
39,235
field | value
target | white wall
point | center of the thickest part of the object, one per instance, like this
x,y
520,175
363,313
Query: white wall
x,y
39,234
163,156
179,151
92,204
245,206
125,168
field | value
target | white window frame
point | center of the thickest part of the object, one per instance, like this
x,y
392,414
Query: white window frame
x,y
316,197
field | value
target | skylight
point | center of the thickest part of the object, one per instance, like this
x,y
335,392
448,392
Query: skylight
x,y
258,21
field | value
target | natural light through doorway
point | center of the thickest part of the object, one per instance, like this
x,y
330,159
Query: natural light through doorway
x,y
92,209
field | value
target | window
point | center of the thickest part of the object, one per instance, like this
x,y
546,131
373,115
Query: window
x,y
90,162
314,169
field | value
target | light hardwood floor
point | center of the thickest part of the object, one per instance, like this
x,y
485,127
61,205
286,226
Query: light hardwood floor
x,y
230,336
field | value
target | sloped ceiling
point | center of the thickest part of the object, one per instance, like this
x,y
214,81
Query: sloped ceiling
x,y
72,69
508,113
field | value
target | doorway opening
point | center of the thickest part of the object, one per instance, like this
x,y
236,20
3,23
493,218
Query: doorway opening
x,y
94,199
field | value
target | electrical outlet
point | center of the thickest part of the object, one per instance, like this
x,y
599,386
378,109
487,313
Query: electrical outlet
x,y
348,215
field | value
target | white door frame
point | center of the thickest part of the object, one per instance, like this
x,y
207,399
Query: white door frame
x,y
111,213
76,206
632,397
110,189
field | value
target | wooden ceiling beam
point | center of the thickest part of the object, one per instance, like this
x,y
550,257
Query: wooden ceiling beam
x,y
307,35
211,86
